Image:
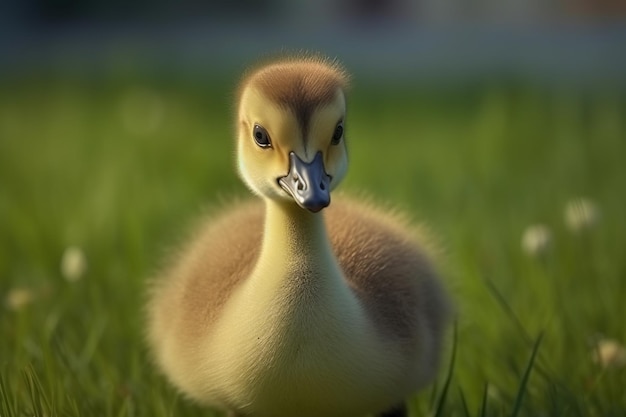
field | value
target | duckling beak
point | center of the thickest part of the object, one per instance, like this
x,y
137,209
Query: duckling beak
x,y
307,183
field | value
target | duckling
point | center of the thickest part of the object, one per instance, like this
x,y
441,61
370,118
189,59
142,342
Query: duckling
x,y
289,305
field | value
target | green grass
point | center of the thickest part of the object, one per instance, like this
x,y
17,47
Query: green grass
x,y
120,166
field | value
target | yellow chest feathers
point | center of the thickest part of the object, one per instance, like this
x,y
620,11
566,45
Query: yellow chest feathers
x,y
294,350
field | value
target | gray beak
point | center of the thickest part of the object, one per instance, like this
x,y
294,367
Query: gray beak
x,y
307,183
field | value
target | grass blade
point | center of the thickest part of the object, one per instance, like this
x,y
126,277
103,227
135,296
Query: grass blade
x,y
543,370
483,404
446,385
42,406
466,412
7,407
508,310
522,388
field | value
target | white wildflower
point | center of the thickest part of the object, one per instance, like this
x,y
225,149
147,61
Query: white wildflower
x,y
581,214
536,240
18,298
494,393
609,353
73,264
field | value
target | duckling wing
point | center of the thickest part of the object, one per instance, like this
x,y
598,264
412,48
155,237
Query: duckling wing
x,y
390,270
188,296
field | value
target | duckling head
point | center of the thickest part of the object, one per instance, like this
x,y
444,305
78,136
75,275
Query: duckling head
x,y
290,130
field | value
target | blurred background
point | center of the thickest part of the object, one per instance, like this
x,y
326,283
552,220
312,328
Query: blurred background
x,y
556,39
501,124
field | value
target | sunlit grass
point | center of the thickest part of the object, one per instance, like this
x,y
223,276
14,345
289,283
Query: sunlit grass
x,y
99,179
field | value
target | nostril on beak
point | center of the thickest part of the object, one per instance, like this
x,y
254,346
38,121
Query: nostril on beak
x,y
322,186
300,186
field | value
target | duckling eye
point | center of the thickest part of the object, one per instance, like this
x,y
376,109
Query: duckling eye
x,y
261,137
338,134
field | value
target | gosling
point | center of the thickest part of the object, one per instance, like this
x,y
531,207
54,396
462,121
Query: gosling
x,y
290,306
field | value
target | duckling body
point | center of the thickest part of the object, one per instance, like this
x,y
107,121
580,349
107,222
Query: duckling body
x,y
287,308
